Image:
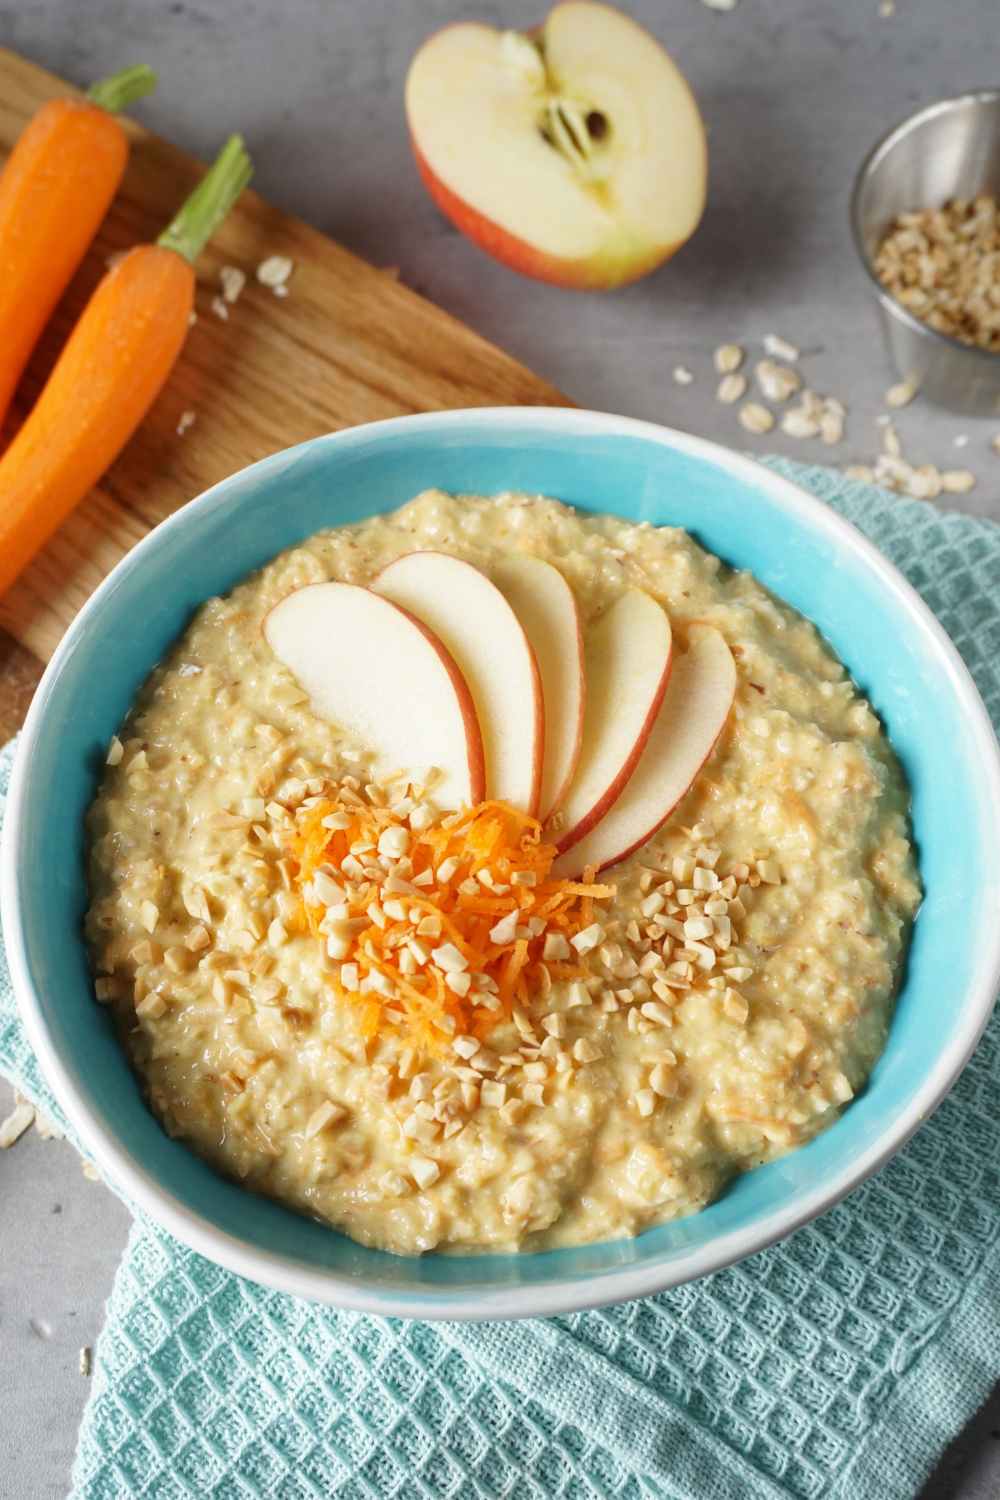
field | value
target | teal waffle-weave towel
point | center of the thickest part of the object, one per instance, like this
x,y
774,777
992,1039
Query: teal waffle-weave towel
x,y
837,1365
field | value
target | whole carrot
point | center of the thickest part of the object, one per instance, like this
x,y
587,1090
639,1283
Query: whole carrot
x,y
113,366
55,189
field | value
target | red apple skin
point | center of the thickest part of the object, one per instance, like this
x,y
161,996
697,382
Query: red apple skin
x,y
518,255
475,749
616,859
613,792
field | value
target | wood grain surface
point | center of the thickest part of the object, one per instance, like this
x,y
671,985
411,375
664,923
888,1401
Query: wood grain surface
x,y
348,344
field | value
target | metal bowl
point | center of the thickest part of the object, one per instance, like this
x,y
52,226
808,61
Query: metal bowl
x,y
948,150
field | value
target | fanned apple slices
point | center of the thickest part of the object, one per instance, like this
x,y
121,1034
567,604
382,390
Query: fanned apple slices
x,y
493,683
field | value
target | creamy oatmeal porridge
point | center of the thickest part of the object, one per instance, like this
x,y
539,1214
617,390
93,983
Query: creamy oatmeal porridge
x,y
638,1036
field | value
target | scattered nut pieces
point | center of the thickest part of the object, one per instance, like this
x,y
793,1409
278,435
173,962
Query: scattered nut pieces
x,y
797,423
958,481
115,752
901,394
779,348
20,1119
682,375
232,280
274,272
185,421
778,382
731,388
85,1361
727,358
756,418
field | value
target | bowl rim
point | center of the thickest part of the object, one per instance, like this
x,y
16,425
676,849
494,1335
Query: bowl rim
x,y
140,1187
885,143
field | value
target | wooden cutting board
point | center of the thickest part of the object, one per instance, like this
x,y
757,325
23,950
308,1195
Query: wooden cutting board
x,y
348,344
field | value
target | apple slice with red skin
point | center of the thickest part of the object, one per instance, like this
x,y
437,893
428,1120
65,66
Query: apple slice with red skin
x,y
627,654
462,608
575,155
379,673
692,716
546,607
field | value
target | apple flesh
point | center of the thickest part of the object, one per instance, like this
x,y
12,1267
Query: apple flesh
x,y
375,671
470,615
628,656
576,156
693,714
546,607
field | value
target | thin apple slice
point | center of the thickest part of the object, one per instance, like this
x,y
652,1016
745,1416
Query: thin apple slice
x,y
627,655
576,155
691,718
473,619
546,607
375,671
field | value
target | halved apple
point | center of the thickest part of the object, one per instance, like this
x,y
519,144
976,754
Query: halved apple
x,y
470,615
546,607
371,668
576,155
627,655
691,718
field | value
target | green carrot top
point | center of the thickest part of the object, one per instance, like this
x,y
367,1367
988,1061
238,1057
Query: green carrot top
x,y
203,212
122,89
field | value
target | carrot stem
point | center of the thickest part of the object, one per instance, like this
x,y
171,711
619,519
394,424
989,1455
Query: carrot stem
x,y
210,202
122,89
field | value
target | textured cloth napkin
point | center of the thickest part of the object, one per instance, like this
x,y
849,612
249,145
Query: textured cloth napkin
x,y
836,1365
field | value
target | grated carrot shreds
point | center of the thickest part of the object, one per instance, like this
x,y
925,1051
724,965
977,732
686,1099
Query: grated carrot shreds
x,y
492,837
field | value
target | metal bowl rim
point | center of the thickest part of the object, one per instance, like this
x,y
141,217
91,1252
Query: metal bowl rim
x,y
881,148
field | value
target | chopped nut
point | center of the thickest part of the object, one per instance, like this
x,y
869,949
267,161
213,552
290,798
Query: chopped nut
x,y
232,281
505,930
115,751
555,948
20,1119
645,1101
901,394
149,915
584,1050
734,1007
756,418
780,348
958,481
449,958
587,939
423,1171
325,1114
777,382
682,375
663,1081
275,271
727,358
798,423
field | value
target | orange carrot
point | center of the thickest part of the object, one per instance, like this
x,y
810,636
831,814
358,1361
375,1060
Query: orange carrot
x,y
55,189
114,365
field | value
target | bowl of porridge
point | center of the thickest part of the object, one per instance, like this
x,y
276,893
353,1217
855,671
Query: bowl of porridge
x,y
487,864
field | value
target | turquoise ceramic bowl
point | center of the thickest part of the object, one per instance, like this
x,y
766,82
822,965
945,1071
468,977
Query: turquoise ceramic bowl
x,y
795,545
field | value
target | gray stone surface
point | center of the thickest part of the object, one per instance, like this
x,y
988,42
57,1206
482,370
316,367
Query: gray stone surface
x,y
795,91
